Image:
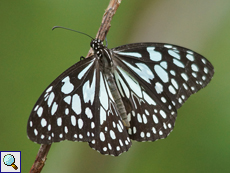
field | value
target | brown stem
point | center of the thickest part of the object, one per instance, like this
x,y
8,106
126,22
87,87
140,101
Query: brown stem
x,y
40,159
106,20
102,32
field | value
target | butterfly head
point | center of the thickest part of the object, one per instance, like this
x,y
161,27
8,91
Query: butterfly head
x,y
97,46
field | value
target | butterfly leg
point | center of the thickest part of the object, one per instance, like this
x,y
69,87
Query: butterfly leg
x,y
82,58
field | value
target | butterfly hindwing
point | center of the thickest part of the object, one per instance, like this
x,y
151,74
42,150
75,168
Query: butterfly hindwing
x,y
113,138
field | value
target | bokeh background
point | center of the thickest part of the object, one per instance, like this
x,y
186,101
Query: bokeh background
x,y
32,56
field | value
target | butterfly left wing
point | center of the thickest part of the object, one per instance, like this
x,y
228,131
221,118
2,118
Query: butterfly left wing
x,y
154,80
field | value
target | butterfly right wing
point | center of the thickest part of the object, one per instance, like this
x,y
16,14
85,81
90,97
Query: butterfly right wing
x,y
63,111
78,106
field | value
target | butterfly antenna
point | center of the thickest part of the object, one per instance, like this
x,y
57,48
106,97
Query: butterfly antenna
x,y
72,30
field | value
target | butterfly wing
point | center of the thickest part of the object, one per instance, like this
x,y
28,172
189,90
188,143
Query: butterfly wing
x,y
78,106
62,111
154,80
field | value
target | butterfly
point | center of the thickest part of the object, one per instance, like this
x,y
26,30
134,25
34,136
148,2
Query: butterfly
x,y
131,92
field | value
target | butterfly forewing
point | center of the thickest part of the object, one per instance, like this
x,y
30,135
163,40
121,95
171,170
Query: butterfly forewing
x,y
160,78
176,71
63,111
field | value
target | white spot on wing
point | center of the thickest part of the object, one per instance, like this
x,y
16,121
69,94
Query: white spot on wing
x,y
49,89
43,122
171,89
163,114
154,55
203,60
103,96
67,99
102,136
142,134
164,64
102,115
194,67
148,99
88,113
161,73
80,123
54,108
178,63
40,111
168,46
66,129
108,90
155,119
144,119
160,132
190,57
174,54
139,119
134,54
76,104
67,87
154,130
31,123
143,71
119,128
59,121
134,85
82,73
134,130
184,76
35,132
92,125
173,72
73,120
158,88
89,91
51,98
175,84
36,107
112,134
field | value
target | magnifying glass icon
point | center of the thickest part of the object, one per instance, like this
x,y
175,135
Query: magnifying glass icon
x,y
9,160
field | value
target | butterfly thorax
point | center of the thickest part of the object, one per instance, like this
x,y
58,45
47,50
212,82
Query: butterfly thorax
x,y
104,54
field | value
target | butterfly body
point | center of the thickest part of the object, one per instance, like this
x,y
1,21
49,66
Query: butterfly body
x,y
129,92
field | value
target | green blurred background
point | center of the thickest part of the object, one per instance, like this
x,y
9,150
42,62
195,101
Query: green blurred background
x,y
32,56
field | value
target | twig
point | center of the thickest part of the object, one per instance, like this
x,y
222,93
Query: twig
x,y
106,20
102,32
40,159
